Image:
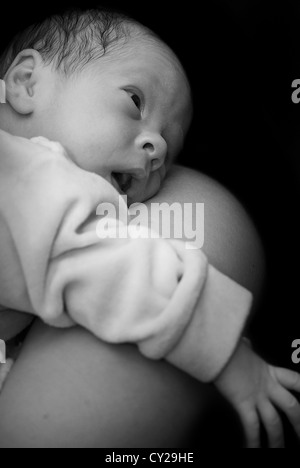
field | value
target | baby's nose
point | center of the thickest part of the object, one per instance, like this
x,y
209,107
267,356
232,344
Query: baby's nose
x,y
155,147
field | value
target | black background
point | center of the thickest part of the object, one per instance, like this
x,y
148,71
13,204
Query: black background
x,y
241,57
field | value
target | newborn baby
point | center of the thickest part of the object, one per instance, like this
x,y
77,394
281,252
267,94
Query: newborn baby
x,y
117,100
119,103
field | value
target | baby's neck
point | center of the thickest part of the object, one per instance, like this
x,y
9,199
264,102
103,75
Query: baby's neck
x,y
10,122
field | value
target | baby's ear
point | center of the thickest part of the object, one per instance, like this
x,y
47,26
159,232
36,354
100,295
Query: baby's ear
x,y
21,80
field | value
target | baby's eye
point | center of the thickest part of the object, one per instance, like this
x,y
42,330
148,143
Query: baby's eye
x,y
136,100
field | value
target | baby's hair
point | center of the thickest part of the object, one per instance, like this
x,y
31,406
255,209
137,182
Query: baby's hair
x,y
74,38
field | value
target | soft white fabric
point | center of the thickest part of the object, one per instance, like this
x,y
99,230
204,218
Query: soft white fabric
x,y
152,292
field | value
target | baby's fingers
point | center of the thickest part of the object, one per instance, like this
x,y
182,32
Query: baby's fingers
x,y
289,405
251,425
272,423
288,378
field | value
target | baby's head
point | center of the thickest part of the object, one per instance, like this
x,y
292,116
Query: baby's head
x,y
104,86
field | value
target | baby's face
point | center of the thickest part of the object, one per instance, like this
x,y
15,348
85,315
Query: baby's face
x,y
124,118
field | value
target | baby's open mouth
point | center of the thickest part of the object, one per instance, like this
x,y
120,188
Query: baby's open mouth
x,y
122,182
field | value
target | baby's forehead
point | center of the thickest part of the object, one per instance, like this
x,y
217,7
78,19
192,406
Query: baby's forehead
x,y
152,60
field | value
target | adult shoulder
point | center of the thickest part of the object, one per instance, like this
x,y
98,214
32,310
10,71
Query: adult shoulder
x,y
232,242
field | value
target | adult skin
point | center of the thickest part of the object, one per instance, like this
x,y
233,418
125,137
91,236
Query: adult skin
x,y
69,389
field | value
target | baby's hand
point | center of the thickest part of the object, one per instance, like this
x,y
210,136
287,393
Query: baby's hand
x,y
256,389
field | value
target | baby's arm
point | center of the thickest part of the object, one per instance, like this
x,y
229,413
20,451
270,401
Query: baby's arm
x,y
131,290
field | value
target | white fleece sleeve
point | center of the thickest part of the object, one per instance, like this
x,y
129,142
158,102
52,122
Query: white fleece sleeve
x,y
152,292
